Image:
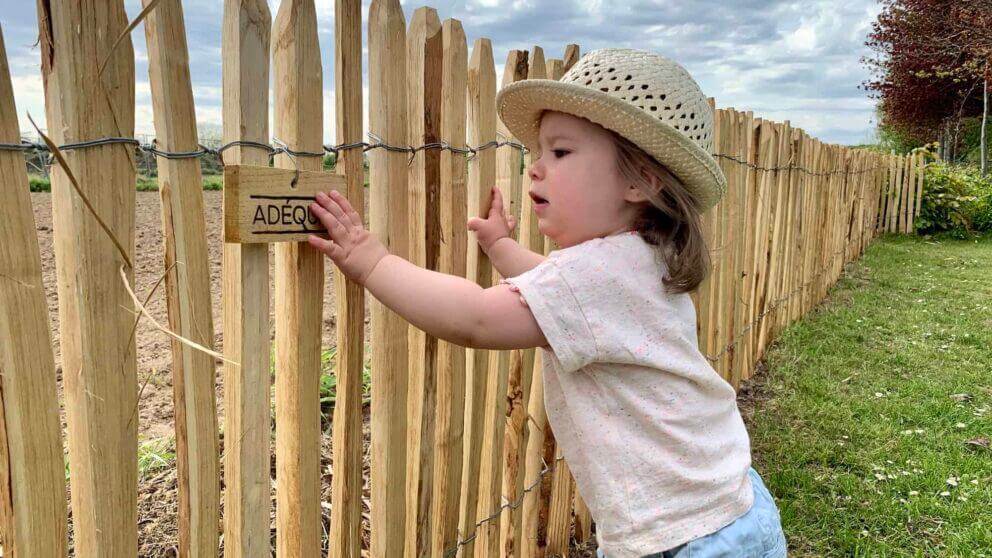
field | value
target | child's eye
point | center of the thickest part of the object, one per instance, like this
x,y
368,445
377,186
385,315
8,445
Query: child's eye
x,y
559,153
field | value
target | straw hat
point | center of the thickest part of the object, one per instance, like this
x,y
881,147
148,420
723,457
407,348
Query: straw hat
x,y
646,98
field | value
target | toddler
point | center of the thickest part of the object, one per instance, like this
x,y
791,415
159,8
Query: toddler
x,y
650,431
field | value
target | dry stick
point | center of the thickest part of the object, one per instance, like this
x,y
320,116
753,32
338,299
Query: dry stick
x,y
158,326
33,515
509,181
188,291
346,485
299,289
247,428
452,260
75,184
424,106
101,377
132,337
388,220
481,175
149,6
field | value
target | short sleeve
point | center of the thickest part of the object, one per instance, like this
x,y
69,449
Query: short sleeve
x,y
557,311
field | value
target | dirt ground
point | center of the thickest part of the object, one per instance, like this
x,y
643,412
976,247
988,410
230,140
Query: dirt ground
x,y
158,535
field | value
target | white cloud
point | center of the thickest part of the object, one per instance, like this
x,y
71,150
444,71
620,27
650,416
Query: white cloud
x,y
786,59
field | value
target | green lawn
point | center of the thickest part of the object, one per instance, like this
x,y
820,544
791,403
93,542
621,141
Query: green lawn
x,y
871,425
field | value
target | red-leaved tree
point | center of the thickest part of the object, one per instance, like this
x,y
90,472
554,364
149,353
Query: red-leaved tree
x,y
931,65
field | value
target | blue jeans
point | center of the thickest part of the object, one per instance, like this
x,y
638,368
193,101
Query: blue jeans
x,y
756,534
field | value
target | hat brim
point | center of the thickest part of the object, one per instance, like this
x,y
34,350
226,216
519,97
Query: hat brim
x,y
520,105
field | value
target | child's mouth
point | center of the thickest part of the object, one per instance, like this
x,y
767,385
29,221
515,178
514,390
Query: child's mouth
x,y
538,200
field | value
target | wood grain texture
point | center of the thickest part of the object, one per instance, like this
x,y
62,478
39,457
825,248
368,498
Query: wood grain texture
x,y
481,107
263,204
509,180
248,422
299,283
187,282
452,260
95,310
560,508
33,511
424,52
388,220
346,484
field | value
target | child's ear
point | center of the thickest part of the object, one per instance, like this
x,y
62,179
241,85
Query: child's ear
x,y
635,192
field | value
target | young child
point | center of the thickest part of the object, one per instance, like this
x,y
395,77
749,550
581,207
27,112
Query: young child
x,y
651,432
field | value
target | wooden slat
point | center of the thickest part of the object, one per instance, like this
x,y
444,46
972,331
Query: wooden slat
x,y
33,514
537,420
187,282
706,325
388,220
247,414
509,180
560,509
95,310
920,174
532,239
560,498
894,193
768,157
481,105
571,56
423,110
583,519
346,484
452,260
299,284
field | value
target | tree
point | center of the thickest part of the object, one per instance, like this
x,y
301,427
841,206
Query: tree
x,y
932,56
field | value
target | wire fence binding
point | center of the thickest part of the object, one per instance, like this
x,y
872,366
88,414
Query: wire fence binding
x,y
280,147
508,505
376,143
778,302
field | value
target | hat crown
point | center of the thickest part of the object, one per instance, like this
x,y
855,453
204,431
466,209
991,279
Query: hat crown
x,y
658,86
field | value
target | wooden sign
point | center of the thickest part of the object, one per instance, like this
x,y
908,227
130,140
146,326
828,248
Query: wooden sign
x,y
261,204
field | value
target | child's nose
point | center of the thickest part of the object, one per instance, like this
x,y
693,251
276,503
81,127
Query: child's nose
x,y
536,170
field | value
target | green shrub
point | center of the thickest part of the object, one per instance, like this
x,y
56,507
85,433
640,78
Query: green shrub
x,y
39,183
213,182
956,199
146,184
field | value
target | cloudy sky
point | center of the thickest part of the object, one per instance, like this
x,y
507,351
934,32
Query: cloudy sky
x,y
784,60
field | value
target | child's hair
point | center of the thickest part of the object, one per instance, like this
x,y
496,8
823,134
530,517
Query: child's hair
x,y
672,218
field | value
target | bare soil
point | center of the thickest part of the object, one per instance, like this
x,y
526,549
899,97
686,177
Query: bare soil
x,y
157,499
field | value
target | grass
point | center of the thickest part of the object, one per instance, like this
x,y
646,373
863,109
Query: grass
x,y
329,380
872,424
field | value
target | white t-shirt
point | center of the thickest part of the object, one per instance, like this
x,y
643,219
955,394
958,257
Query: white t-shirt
x,y
650,431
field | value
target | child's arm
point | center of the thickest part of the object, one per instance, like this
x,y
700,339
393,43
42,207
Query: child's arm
x,y
445,306
507,255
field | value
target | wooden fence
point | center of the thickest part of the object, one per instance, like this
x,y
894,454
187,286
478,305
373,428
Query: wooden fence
x,y
463,459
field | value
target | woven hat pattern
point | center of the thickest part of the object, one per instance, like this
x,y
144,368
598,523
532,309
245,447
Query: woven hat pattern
x,y
647,98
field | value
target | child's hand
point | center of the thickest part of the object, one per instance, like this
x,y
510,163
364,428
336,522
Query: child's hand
x,y
352,248
496,226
